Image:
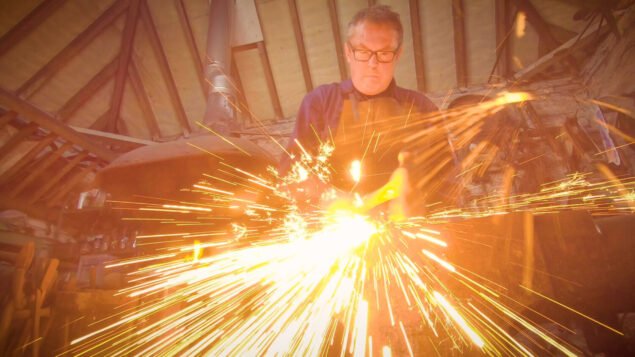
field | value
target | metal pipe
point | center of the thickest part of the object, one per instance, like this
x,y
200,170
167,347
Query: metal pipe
x,y
220,114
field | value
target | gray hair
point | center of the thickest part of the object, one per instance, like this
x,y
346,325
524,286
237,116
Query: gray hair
x,y
377,14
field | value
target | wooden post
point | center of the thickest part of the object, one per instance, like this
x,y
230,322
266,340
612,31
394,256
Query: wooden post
x,y
503,31
417,45
460,51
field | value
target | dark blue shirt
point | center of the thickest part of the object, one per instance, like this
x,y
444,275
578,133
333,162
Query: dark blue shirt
x,y
321,108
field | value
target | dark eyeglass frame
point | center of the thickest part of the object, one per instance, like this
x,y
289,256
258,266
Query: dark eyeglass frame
x,y
356,51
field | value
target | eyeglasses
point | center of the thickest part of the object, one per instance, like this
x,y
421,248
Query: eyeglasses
x,y
365,55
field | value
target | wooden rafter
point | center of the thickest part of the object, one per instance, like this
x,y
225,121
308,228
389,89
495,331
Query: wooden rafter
x,y
57,177
191,44
299,41
28,24
417,44
337,36
271,84
144,101
28,111
87,91
24,160
6,118
460,49
164,66
54,198
41,167
72,49
127,42
17,138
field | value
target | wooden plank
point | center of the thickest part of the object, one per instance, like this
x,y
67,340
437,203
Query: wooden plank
x,y
36,81
51,182
24,160
68,185
127,41
460,52
337,37
17,138
297,31
191,44
417,44
40,168
28,24
12,102
86,92
144,102
157,47
271,85
6,118
503,31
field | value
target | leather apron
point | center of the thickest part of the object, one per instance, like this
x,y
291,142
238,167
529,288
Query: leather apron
x,y
366,132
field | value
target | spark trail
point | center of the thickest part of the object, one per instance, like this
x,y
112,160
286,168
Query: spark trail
x,y
281,280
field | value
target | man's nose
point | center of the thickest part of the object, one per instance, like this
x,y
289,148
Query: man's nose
x,y
372,61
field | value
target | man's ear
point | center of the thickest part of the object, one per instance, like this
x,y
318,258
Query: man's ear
x,y
399,52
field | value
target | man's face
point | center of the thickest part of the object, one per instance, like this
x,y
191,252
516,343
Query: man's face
x,y
372,77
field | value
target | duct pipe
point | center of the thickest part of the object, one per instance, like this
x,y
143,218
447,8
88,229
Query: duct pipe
x,y
219,114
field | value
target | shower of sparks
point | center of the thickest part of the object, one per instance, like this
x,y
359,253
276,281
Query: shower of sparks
x,y
276,279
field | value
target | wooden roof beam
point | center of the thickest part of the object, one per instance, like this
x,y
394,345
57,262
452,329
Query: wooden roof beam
x,y
17,138
271,84
72,49
460,48
299,41
191,44
87,91
39,168
164,66
28,111
335,27
24,160
59,175
144,102
28,24
127,43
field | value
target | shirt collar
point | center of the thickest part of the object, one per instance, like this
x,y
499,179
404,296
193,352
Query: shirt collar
x,y
348,87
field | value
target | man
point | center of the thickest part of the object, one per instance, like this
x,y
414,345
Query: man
x,y
359,115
